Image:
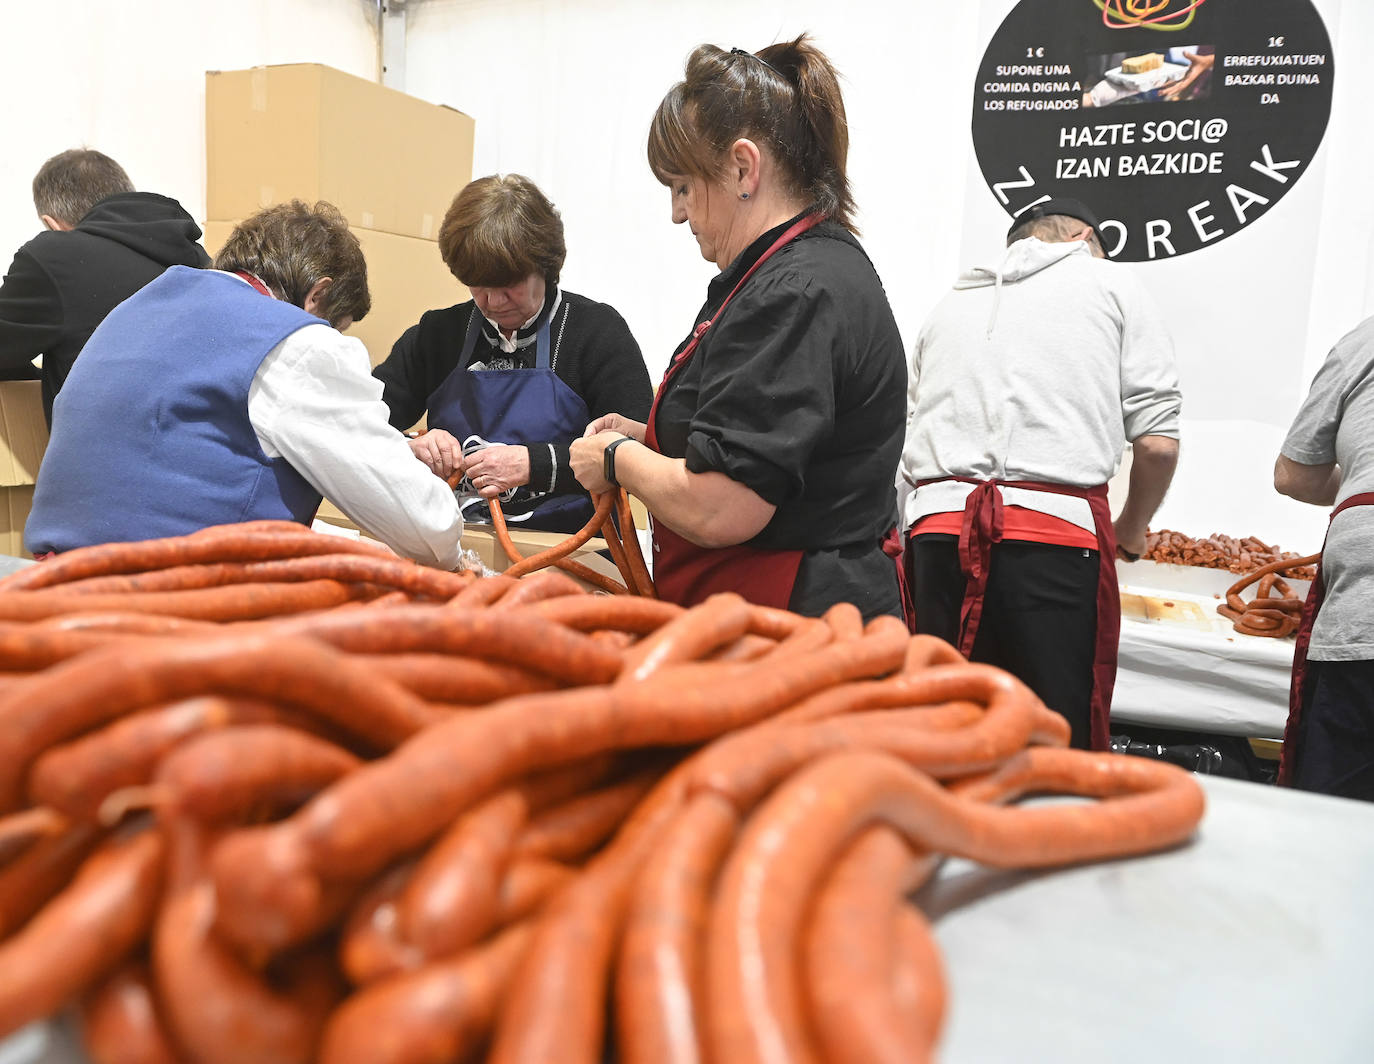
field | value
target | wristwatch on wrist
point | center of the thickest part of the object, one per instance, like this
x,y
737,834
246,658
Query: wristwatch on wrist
x,y
608,459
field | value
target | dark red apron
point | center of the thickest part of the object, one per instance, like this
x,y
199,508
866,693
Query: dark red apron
x,y
685,573
1315,594
982,528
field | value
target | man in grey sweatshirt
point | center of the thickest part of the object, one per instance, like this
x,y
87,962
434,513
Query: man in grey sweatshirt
x,y
1025,385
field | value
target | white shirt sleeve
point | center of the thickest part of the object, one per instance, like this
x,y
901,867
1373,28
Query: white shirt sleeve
x,y
315,403
1150,399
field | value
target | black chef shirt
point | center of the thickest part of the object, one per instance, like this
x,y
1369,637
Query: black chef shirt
x,y
798,391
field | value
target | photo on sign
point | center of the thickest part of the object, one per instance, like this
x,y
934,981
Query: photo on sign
x,y
1172,75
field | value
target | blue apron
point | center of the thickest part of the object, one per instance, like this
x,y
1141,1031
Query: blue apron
x,y
513,406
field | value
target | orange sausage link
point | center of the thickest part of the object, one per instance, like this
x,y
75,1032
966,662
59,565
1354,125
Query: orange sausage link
x,y
852,950
239,602
638,577
623,614
458,680
438,1014
513,638
248,769
33,877
545,584
217,1010
370,943
562,550
657,979
120,1023
720,620
84,932
19,831
568,832
221,543
528,885
452,899
398,573
76,777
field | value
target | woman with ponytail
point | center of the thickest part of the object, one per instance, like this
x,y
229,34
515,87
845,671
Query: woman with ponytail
x,y
769,456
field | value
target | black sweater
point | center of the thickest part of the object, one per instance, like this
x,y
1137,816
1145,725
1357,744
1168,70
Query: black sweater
x,y
62,284
592,353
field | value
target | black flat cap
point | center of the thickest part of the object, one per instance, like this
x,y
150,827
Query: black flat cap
x,y
1065,205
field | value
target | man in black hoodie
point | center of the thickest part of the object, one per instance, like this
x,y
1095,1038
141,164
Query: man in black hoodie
x,y
103,242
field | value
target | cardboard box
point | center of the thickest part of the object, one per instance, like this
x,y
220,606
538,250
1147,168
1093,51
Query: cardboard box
x,y
389,161
406,277
23,439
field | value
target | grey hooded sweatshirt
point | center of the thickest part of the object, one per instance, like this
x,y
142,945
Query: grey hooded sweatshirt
x,y
1041,368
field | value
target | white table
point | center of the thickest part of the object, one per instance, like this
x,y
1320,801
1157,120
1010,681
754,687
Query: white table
x,y
1215,680
1252,943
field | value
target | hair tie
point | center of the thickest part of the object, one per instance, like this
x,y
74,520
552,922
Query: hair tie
x,y
765,62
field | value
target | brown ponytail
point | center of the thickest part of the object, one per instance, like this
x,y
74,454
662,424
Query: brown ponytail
x,y
786,98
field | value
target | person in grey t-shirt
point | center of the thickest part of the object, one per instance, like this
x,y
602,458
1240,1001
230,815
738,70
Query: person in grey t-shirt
x,y
1328,457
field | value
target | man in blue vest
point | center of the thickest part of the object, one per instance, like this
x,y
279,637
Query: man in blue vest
x,y
230,394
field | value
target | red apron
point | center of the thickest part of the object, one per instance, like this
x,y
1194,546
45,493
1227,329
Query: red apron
x,y
1315,594
983,527
685,573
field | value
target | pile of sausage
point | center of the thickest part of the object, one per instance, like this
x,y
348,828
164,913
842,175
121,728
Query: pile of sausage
x,y
1275,611
277,797
1221,552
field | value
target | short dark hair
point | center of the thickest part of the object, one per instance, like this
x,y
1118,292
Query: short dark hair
x,y
292,246
785,97
499,230
69,184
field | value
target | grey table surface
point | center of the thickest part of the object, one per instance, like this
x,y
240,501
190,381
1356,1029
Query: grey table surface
x,y
1251,943
9,564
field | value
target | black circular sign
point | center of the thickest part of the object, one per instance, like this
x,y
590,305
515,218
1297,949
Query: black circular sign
x,y
1179,122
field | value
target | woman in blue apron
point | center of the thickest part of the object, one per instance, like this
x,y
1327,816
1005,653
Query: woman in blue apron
x,y
516,373
768,460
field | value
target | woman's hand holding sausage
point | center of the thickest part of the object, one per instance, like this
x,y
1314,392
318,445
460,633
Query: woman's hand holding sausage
x,y
498,468
440,451
619,424
587,461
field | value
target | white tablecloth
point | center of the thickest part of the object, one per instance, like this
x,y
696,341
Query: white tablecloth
x,y
1217,680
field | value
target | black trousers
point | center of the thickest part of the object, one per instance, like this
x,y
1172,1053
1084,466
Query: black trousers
x,y
1039,616
1336,735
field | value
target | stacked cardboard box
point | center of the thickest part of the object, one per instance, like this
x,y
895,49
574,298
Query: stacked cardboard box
x,y
23,439
390,162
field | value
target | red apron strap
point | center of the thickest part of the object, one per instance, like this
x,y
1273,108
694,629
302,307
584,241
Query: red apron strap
x,y
1297,683
983,526
685,573
793,231
893,548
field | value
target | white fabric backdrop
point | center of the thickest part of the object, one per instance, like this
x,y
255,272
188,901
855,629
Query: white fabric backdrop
x,y
128,79
563,92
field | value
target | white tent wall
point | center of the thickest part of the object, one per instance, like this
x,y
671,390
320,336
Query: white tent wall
x,y
128,79
563,91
